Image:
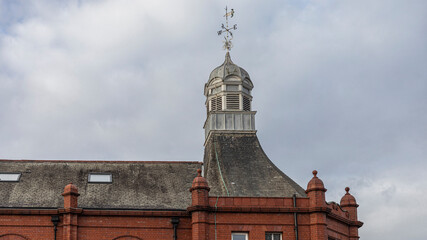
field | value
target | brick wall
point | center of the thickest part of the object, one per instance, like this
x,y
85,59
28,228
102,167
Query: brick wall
x,y
209,217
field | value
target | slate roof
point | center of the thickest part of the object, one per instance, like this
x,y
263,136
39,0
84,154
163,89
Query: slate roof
x,y
135,185
245,168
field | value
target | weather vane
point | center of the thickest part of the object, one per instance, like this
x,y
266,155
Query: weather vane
x,y
225,29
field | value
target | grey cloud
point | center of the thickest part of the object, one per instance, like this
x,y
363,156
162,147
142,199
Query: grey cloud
x,y
339,87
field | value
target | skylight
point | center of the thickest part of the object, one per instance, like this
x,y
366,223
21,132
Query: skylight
x,y
10,177
100,178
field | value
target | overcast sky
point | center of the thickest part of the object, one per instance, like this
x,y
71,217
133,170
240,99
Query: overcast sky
x,y
340,86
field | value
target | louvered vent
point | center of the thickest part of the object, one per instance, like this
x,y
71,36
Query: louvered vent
x,y
246,104
213,104
216,104
233,101
219,103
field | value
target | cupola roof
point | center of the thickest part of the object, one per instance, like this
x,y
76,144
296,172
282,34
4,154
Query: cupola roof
x,y
228,68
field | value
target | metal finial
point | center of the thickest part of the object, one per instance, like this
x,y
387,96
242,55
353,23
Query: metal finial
x,y
225,29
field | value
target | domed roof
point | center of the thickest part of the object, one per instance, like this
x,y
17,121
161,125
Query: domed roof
x,y
315,183
348,199
228,68
199,182
71,189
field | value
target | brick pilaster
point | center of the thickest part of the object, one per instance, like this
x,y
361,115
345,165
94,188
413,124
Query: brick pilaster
x,y
70,215
349,204
199,207
316,193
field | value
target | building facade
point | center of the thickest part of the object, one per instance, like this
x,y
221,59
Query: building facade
x,y
236,193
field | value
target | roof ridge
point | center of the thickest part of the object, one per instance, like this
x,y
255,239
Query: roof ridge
x,y
96,161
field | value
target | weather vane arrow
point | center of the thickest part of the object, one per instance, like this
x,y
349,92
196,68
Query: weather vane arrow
x,y
227,30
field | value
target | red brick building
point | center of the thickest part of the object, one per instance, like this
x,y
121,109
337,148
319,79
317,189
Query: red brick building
x,y
242,195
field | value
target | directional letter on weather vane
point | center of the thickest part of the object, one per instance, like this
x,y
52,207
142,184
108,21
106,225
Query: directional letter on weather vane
x,y
225,29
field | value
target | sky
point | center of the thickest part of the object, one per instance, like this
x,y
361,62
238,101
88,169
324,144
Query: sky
x,y
340,87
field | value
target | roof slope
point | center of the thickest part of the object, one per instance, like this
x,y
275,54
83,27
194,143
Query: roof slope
x,y
136,185
245,168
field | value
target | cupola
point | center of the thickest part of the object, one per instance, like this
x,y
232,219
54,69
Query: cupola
x,y
229,88
228,99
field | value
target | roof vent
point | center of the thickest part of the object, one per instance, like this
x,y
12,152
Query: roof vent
x,y
216,104
233,101
246,104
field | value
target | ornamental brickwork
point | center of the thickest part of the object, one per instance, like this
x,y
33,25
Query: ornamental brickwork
x,y
208,217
